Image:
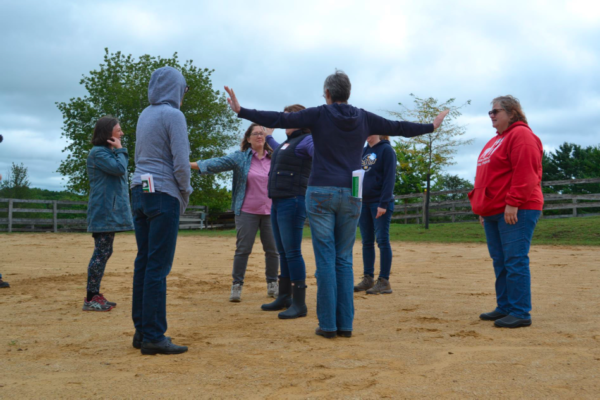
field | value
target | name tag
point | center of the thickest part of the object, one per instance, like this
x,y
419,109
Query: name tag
x,y
285,146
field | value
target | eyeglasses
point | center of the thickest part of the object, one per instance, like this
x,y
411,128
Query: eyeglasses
x,y
186,89
494,112
257,134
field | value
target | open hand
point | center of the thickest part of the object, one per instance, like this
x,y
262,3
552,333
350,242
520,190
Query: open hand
x,y
510,214
268,131
232,100
439,119
115,143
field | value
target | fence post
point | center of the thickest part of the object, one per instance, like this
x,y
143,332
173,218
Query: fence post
x,y
453,210
55,215
10,215
424,206
574,207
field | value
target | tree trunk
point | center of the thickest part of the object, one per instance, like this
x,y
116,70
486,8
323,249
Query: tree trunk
x,y
427,201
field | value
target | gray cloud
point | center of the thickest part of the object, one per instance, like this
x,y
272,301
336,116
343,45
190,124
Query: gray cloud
x,y
275,54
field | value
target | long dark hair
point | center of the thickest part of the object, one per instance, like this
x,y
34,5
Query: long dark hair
x,y
103,130
245,145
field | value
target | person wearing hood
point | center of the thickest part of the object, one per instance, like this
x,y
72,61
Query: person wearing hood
x,y
339,132
509,201
379,164
162,150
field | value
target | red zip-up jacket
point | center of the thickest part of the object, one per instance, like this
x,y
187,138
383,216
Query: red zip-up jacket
x,y
509,171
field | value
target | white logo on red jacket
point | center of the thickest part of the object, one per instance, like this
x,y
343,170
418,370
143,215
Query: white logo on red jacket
x,y
487,154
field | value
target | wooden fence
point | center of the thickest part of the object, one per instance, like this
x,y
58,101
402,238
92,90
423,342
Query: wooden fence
x,y
460,210
69,216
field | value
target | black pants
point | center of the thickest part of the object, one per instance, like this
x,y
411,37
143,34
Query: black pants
x,y
102,251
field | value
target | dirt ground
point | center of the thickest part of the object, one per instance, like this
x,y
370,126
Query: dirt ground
x,y
423,341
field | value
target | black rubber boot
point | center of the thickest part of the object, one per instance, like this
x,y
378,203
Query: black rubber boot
x,y
284,299
298,308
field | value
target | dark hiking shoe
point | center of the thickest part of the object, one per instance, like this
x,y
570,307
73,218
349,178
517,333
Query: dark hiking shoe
x,y
346,334
284,299
4,285
512,322
367,283
492,316
164,347
381,287
298,308
325,334
138,338
108,303
95,304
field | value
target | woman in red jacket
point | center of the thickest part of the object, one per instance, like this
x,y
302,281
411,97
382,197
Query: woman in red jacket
x,y
508,199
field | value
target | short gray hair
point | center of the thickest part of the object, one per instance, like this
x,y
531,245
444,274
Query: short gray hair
x,y
338,85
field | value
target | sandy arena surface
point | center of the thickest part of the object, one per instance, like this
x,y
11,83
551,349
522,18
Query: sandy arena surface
x,y
423,341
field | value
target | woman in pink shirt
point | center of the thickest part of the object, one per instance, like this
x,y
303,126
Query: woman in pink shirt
x,y
250,203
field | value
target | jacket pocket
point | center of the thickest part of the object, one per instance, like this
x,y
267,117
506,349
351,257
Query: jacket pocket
x,y
481,201
284,180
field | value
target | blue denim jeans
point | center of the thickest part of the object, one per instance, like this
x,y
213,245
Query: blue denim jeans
x,y
287,219
156,222
509,248
372,229
333,214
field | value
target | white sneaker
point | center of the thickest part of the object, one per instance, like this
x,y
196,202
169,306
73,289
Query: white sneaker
x,y
272,289
236,293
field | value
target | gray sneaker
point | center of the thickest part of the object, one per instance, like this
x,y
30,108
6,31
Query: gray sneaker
x,y
272,289
381,287
366,284
236,293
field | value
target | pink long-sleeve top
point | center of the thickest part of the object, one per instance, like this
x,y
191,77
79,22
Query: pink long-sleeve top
x,y
257,200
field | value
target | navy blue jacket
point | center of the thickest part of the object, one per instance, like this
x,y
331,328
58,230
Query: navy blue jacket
x,y
379,164
339,132
108,205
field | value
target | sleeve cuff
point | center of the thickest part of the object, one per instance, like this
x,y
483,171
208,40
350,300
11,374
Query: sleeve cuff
x,y
384,204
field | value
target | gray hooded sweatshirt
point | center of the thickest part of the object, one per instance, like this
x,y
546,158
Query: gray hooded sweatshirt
x,y
162,147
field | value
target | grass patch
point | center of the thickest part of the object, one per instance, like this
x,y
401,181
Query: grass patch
x,y
580,231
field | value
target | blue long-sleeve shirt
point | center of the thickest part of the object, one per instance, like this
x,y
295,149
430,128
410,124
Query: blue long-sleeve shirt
x,y
339,132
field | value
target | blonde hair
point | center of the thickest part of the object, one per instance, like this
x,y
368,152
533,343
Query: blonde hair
x,y
384,137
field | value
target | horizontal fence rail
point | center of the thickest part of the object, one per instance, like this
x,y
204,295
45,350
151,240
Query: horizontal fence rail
x,y
412,206
69,216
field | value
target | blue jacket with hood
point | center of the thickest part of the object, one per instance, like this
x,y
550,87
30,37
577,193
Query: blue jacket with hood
x,y
339,133
162,147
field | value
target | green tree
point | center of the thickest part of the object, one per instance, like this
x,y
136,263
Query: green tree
x,y
120,88
571,161
437,148
16,183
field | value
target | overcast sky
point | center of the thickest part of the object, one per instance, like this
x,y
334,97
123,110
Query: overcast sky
x,y
276,53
